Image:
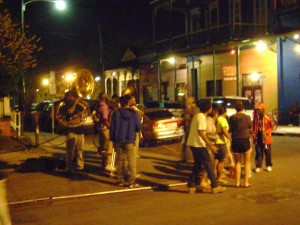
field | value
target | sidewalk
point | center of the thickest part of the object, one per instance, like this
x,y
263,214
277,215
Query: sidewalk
x,y
32,176
287,131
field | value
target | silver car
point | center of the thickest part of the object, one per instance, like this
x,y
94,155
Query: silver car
x,y
161,124
229,103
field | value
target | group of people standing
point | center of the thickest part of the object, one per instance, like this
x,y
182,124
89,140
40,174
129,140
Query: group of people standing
x,y
213,138
118,123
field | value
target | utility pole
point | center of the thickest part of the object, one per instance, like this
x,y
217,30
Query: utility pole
x,y
101,49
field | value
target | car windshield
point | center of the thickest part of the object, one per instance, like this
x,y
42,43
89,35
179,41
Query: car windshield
x,y
43,106
162,114
229,103
165,104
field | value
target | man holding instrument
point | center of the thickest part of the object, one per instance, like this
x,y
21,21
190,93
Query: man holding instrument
x,y
72,109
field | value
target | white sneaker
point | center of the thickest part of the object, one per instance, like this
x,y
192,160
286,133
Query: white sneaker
x,y
218,189
258,170
269,168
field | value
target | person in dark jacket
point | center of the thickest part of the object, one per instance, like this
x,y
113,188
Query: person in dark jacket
x,y
124,124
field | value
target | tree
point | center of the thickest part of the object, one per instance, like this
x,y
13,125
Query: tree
x,y
17,54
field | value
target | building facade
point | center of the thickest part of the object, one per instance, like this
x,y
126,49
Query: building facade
x,y
218,48
228,47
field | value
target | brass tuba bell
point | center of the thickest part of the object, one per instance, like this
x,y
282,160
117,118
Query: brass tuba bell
x,y
84,83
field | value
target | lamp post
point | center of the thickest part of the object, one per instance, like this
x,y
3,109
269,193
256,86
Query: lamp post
x,y
59,4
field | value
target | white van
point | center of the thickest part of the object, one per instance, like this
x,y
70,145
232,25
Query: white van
x,y
228,102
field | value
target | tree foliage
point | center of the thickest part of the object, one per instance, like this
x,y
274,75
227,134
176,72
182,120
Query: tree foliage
x,y
17,52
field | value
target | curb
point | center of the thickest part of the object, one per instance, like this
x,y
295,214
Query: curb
x,y
156,188
286,134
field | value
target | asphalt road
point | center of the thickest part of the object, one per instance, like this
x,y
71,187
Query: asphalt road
x,y
274,199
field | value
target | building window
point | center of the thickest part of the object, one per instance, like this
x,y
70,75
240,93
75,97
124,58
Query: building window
x,y
164,91
214,14
237,11
195,23
260,12
180,92
210,88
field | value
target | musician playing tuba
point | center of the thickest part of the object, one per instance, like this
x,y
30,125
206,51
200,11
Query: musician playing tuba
x,y
72,113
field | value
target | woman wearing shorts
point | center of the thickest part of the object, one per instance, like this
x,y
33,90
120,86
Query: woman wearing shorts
x,y
240,127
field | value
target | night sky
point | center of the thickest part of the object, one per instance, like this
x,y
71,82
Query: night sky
x,y
71,37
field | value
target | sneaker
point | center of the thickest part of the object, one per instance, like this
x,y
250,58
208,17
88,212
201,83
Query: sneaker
x,y
222,181
269,168
121,184
205,184
199,189
133,185
192,190
258,170
218,189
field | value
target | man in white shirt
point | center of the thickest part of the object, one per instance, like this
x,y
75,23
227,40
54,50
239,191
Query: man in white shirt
x,y
198,143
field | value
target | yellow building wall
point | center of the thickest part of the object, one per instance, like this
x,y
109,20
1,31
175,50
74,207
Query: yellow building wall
x,y
266,64
250,61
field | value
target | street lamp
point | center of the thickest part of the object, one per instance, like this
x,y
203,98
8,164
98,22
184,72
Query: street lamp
x,y
59,4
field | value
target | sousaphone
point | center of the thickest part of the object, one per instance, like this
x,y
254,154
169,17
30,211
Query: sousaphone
x,y
84,85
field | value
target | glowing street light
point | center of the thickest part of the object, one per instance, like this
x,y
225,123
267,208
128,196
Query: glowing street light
x,y
261,46
255,76
70,78
59,4
45,82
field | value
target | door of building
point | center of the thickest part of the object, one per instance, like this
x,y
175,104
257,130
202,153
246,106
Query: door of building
x,y
164,91
253,93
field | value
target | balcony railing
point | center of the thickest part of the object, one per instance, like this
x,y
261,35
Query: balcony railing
x,y
206,38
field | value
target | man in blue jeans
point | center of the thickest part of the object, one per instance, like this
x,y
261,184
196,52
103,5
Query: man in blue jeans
x,y
125,123
197,140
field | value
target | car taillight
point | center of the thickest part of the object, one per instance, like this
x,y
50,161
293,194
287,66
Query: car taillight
x,y
180,123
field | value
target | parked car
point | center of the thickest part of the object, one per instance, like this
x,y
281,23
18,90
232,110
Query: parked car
x,y
44,111
229,102
159,125
177,108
